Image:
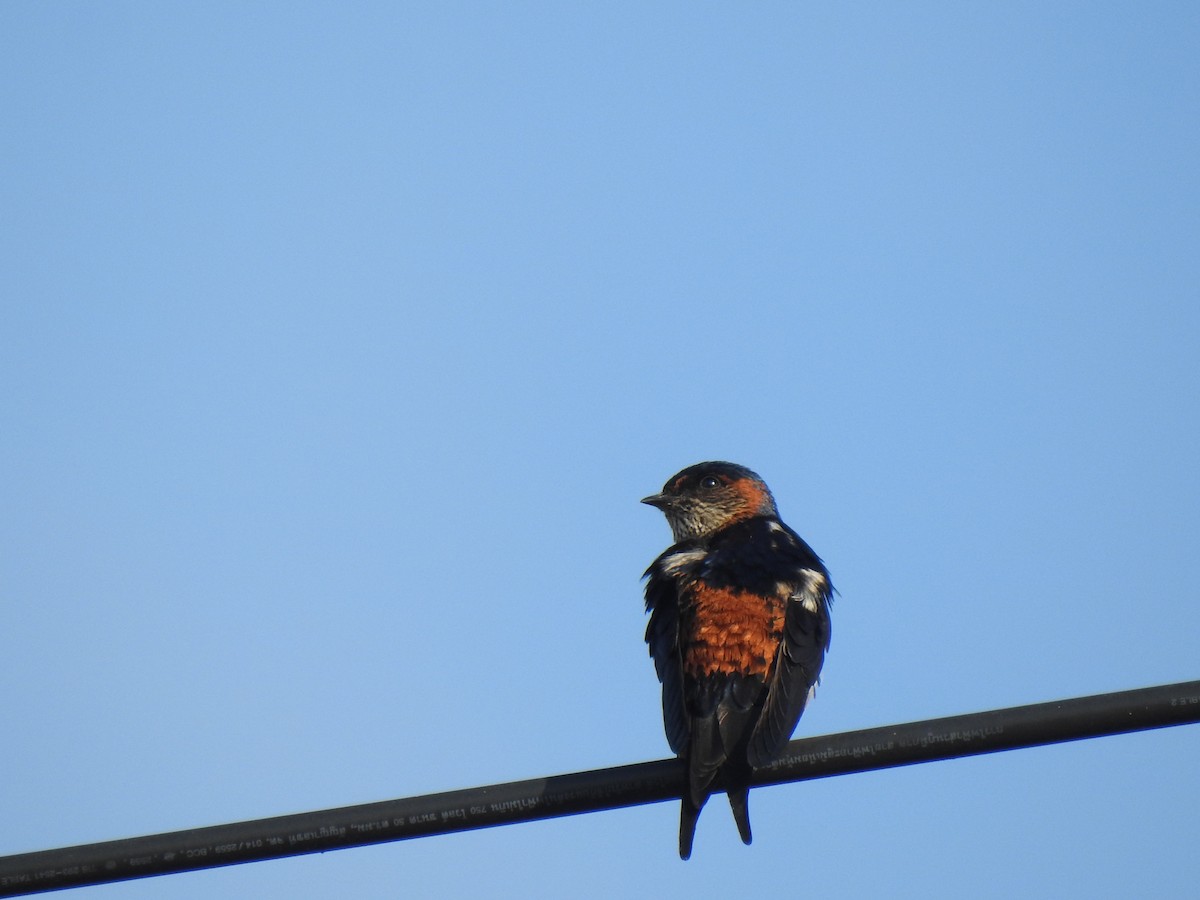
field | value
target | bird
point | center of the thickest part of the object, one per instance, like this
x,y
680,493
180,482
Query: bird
x,y
739,627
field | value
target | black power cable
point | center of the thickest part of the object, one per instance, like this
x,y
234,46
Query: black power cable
x,y
580,792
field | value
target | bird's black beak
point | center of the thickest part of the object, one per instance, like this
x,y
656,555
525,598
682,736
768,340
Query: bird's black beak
x,y
660,501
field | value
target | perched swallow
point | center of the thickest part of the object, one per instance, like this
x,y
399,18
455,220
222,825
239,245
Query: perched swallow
x,y
739,627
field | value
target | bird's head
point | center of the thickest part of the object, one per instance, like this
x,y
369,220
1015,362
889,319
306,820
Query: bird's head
x,y
706,497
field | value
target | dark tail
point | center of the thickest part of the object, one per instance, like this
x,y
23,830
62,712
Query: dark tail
x,y
738,799
689,812
705,755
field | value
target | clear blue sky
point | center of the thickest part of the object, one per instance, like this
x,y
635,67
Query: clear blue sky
x,y
339,342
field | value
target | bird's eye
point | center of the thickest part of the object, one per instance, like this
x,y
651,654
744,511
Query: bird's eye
x,y
708,482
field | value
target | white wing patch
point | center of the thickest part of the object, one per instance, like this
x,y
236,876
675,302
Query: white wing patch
x,y
808,591
680,560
